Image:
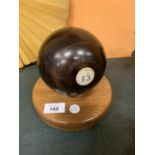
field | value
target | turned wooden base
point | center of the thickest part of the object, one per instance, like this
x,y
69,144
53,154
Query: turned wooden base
x,y
87,109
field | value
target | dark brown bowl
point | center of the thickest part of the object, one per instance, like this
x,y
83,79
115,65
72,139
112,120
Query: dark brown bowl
x,y
71,61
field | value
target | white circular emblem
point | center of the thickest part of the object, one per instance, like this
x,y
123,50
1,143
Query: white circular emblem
x,y
74,108
85,76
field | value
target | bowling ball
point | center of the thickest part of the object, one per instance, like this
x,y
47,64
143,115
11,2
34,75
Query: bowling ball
x,y
71,61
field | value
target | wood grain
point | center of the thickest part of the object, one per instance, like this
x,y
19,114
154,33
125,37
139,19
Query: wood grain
x,y
37,20
28,51
20,63
93,106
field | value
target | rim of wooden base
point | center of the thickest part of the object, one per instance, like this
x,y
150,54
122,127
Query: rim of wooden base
x,y
72,123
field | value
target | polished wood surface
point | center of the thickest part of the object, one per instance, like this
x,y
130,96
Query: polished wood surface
x,y
93,106
64,54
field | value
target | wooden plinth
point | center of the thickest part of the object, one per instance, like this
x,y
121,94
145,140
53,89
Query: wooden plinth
x,y
93,106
